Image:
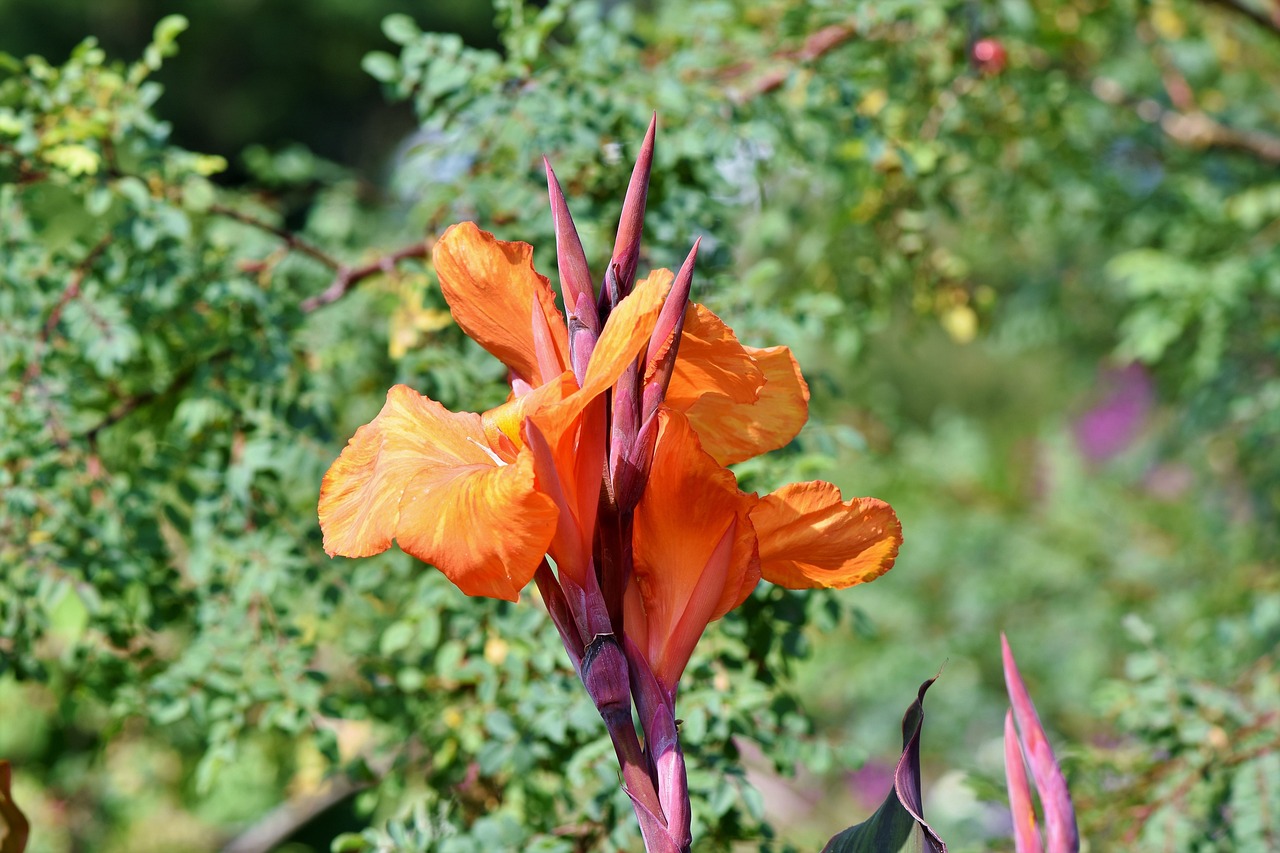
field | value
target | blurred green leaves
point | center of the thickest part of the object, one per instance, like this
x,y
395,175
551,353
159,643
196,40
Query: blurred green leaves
x,y
951,253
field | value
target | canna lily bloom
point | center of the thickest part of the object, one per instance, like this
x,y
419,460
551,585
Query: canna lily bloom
x,y
609,458
447,485
419,473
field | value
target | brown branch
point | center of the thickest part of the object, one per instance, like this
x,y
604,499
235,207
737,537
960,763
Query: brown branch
x,y
274,828
345,277
70,292
1175,82
814,47
1192,128
349,277
292,240
1267,22
130,404
73,286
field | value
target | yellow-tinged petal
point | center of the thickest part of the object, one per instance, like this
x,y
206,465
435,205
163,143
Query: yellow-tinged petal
x,y
710,360
507,420
491,287
694,550
733,431
811,537
427,477
626,333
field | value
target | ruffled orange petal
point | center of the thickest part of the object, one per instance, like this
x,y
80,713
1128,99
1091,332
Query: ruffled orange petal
x,y
491,287
694,549
710,360
486,527
810,537
427,477
732,431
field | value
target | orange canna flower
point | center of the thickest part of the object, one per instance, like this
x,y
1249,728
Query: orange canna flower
x,y
418,473
609,458
484,496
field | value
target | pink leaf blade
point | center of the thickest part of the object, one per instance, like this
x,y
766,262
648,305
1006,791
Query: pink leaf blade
x,y
1061,833
1026,835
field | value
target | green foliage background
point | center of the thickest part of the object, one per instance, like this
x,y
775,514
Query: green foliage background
x,y
957,253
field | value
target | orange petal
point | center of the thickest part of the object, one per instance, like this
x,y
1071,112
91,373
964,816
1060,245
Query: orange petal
x,y
491,287
695,550
502,424
486,527
569,457
626,333
732,431
710,360
809,537
426,477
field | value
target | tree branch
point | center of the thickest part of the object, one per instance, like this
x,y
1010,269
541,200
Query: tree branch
x,y
70,292
345,277
814,47
1192,128
1267,22
274,828
292,240
349,277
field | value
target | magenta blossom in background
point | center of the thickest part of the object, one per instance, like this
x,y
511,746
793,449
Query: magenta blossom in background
x,y
1112,425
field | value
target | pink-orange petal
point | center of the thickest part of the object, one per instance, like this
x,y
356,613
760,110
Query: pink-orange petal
x,y
694,549
426,477
733,431
811,537
491,287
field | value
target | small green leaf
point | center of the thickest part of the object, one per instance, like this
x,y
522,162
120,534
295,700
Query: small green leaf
x,y
396,638
75,160
400,28
381,66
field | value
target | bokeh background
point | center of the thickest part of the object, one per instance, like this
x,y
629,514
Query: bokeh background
x,y
1027,255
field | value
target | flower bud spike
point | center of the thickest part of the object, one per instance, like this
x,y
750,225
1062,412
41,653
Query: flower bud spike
x,y
553,596
582,341
1026,834
609,295
655,708
626,247
575,275
632,469
664,345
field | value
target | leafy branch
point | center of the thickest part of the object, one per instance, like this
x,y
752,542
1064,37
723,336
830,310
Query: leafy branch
x,y
345,279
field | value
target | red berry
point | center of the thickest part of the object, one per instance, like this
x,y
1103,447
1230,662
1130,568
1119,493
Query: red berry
x,y
989,56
